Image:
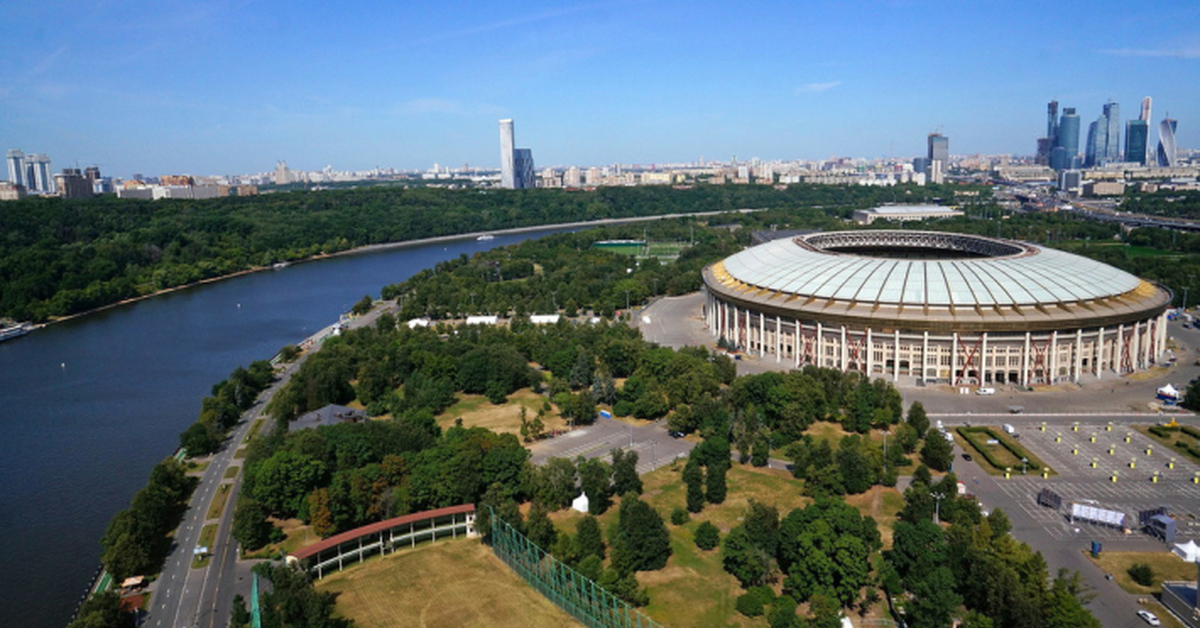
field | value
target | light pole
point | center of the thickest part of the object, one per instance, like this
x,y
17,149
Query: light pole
x,y
937,506
1024,461
626,301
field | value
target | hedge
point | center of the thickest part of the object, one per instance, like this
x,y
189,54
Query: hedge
x,y
971,434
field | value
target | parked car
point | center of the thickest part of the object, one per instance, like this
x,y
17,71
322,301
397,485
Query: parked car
x,y
968,457
985,391
1149,617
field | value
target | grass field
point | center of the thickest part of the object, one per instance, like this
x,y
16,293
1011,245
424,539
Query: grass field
x,y
642,250
693,589
218,501
1166,566
197,468
1169,443
444,584
477,411
231,472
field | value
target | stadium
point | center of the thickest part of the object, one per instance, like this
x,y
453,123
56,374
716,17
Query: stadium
x,y
927,307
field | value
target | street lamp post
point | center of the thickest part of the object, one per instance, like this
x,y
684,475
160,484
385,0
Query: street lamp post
x,y
937,506
1024,461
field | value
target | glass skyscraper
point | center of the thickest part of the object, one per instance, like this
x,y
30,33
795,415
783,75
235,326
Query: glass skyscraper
x,y
1112,135
1065,153
507,173
1137,133
1166,143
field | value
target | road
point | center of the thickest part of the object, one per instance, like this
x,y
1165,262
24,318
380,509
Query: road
x,y
202,598
654,446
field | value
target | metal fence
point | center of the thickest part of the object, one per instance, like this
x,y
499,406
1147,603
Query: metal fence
x,y
583,599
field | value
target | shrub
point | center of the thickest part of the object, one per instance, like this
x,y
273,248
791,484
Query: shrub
x,y
1142,573
679,516
749,605
707,536
623,408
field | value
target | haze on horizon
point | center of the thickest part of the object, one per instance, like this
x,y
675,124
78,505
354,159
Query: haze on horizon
x,y
225,86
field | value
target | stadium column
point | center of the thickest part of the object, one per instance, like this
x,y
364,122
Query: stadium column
x,y
820,357
778,338
983,358
1025,362
1148,345
925,356
845,350
796,347
1098,351
1162,335
1135,357
1053,357
954,360
762,334
896,357
1119,350
869,360
1078,354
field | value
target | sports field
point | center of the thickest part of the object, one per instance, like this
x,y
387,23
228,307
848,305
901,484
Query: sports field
x,y
444,584
643,250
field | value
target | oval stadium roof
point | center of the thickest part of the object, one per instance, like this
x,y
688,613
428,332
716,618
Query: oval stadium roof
x,y
1035,276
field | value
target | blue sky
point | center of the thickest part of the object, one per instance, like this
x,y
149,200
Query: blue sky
x,y
217,87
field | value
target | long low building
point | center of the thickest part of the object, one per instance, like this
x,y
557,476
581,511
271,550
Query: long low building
x,y
902,213
936,307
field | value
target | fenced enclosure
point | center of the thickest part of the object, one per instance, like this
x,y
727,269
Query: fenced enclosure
x,y
579,596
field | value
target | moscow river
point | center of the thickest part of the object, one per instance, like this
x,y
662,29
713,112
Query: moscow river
x,y
90,405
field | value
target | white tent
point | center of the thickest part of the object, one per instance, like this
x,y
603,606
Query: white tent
x,y
1189,552
1168,391
580,503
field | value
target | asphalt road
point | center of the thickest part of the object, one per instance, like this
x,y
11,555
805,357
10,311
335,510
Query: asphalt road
x,y
202,598
654,446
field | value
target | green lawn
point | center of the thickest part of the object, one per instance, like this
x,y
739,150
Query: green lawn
x,y
231,472
1166,566
208,534
218,501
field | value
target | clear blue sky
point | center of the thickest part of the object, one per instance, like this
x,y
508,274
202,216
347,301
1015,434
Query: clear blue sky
x,y
214,87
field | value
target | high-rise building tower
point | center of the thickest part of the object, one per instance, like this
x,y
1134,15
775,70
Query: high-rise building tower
x,y
1046,144
37,173
1137,133
1166,142
16,167
1112,135
939,148
1145,117
523,174
507,158
1093,151
283,174
1065,154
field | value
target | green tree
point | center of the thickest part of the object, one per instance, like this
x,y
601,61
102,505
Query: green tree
x,y
588,538
707,536
917,417
282,482
1142,573
625,475
555,487
250,526
714,483
539,528
595,476
693,477
933,599
362,306
643,542
938,453
743,560
102,610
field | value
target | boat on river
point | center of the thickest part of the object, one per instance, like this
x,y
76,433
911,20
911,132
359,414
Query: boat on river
x,y
485,237
15,331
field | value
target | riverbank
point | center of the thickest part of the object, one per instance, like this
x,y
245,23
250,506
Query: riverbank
x,y
372,248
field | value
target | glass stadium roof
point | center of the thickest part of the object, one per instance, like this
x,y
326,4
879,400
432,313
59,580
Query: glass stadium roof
x,y
1046,276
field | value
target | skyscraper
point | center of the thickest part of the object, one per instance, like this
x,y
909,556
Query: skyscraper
x,y
939,148
37,174
1145,110
1112,136
1046,144
1136,135
523,174
1065,153
507,171
1097,137
1166,142
16,167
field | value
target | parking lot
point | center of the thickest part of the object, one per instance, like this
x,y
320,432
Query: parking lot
x,y
1072,449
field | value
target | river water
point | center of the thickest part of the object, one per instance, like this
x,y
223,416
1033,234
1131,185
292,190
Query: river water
x,y
89,406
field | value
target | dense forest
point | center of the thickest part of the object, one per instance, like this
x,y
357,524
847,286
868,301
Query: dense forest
x,y
65,256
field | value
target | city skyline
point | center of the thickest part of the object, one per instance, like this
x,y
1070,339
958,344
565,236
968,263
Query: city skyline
x,y
229,87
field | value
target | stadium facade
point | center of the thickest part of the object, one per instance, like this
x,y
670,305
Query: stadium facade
x,y
931,307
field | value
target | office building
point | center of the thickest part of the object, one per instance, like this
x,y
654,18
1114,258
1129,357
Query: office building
x,y
572,178
1136,134
16,167
1065,154
72,184
523,175
37,173
1145,117
283,175
939,148
1046,144
507,158
1097,138
1112,136
1166,143
1070,180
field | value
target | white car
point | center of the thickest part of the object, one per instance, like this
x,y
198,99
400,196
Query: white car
x,y
985,391
1149,617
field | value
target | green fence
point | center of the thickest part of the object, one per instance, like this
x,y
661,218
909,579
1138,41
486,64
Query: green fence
x,y
583,599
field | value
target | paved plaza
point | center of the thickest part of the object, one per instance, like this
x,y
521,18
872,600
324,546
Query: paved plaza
x,y
1071,450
